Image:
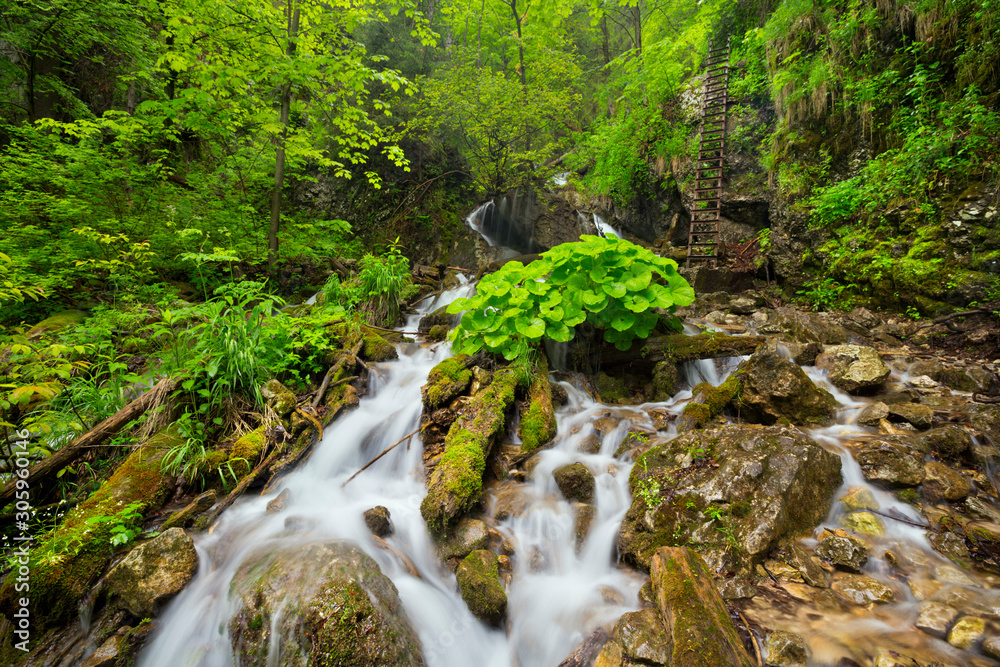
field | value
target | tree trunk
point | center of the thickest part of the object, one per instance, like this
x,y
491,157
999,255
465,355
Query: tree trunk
x,y
279,163
637,18
520,44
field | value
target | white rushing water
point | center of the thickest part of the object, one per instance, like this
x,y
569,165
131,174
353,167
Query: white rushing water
x,y
556,597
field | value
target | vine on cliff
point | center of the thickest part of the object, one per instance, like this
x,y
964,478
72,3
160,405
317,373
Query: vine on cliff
x,y
610,282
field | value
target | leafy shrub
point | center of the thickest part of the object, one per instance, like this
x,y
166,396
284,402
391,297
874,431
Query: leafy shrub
x,y
610,282
377,291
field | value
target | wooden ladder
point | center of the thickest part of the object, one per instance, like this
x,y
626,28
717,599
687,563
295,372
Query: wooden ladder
x,y
703,242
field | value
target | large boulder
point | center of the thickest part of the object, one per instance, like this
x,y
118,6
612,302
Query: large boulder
x,y
326,603
855,369
575,481
804,327
153,573
775,389
765,484
892,461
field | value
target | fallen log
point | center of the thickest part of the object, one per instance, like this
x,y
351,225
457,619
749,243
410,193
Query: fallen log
x,y
108,428
585,654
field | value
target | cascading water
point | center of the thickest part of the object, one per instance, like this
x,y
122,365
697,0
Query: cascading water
x,y
604,228
560,591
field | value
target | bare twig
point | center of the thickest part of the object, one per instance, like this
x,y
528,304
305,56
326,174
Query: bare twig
x,y
405,438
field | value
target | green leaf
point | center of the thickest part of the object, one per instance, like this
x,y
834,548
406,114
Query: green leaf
x,y
623,321
615,290
533,328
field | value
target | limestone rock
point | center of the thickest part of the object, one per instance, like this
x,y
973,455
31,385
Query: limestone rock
x,y
991,647
327,603
858,498
737,588
187,516
862,590
805,327
866,523
642,636
843,550
585,514
575,481
982,509
479,583
872,414
378,521
775,388
921,416
890,461
935,618
468,535
279,502
810,567
153,572
949,441
786,648
855,369
768,483
942,482
967,632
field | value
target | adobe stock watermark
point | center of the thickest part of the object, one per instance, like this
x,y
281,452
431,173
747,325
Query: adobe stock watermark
x,y
22,569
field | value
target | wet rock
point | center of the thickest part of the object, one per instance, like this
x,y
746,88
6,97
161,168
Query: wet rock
x,y
810,567
737,588
610,656
967,632
279,502
765,484
843,550
664,382
378,521
575,481
887,658
153,573
538,422
326,603
949,441
935,618
963,379
949,544
693,615
858,498
991,647
468,535
862,590
864,522
278,397
805,327
106,654
872,414
921,416
892,462
584,520
641,636
781,571
941,482
742,306
982,509
775,388
786,648
478,582
854,368
439,317
445,381
804,354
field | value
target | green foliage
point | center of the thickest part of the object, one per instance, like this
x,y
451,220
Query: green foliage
x,y
825,294
123,525
378,290
610,282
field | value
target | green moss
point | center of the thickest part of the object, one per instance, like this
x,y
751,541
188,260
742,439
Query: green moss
x,y
376,348
612,390
446,381
456,484
538,424
58,322
478,582
709,401
70,558
438,332
246,452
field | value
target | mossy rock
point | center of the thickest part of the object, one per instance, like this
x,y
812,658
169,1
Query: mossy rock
x,y
708,402
376,348
456,483
247,450
152,573
775,389
479,583
278,397
69,559
327,604
765,484
612,389
538,424
447,380
693,613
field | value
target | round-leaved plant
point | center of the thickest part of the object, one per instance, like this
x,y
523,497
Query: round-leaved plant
x,y
610,282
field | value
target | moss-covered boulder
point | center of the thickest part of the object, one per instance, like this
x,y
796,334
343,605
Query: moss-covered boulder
x,y
708,402
376,348
447,380
278,397
944,483
694,615
327,604
456,484
765,483
153,573
69,559
538,423
478,582
776,389
440,317
855,369
843,550
804,327
467,536
247,451
950,441
59,321
575,482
